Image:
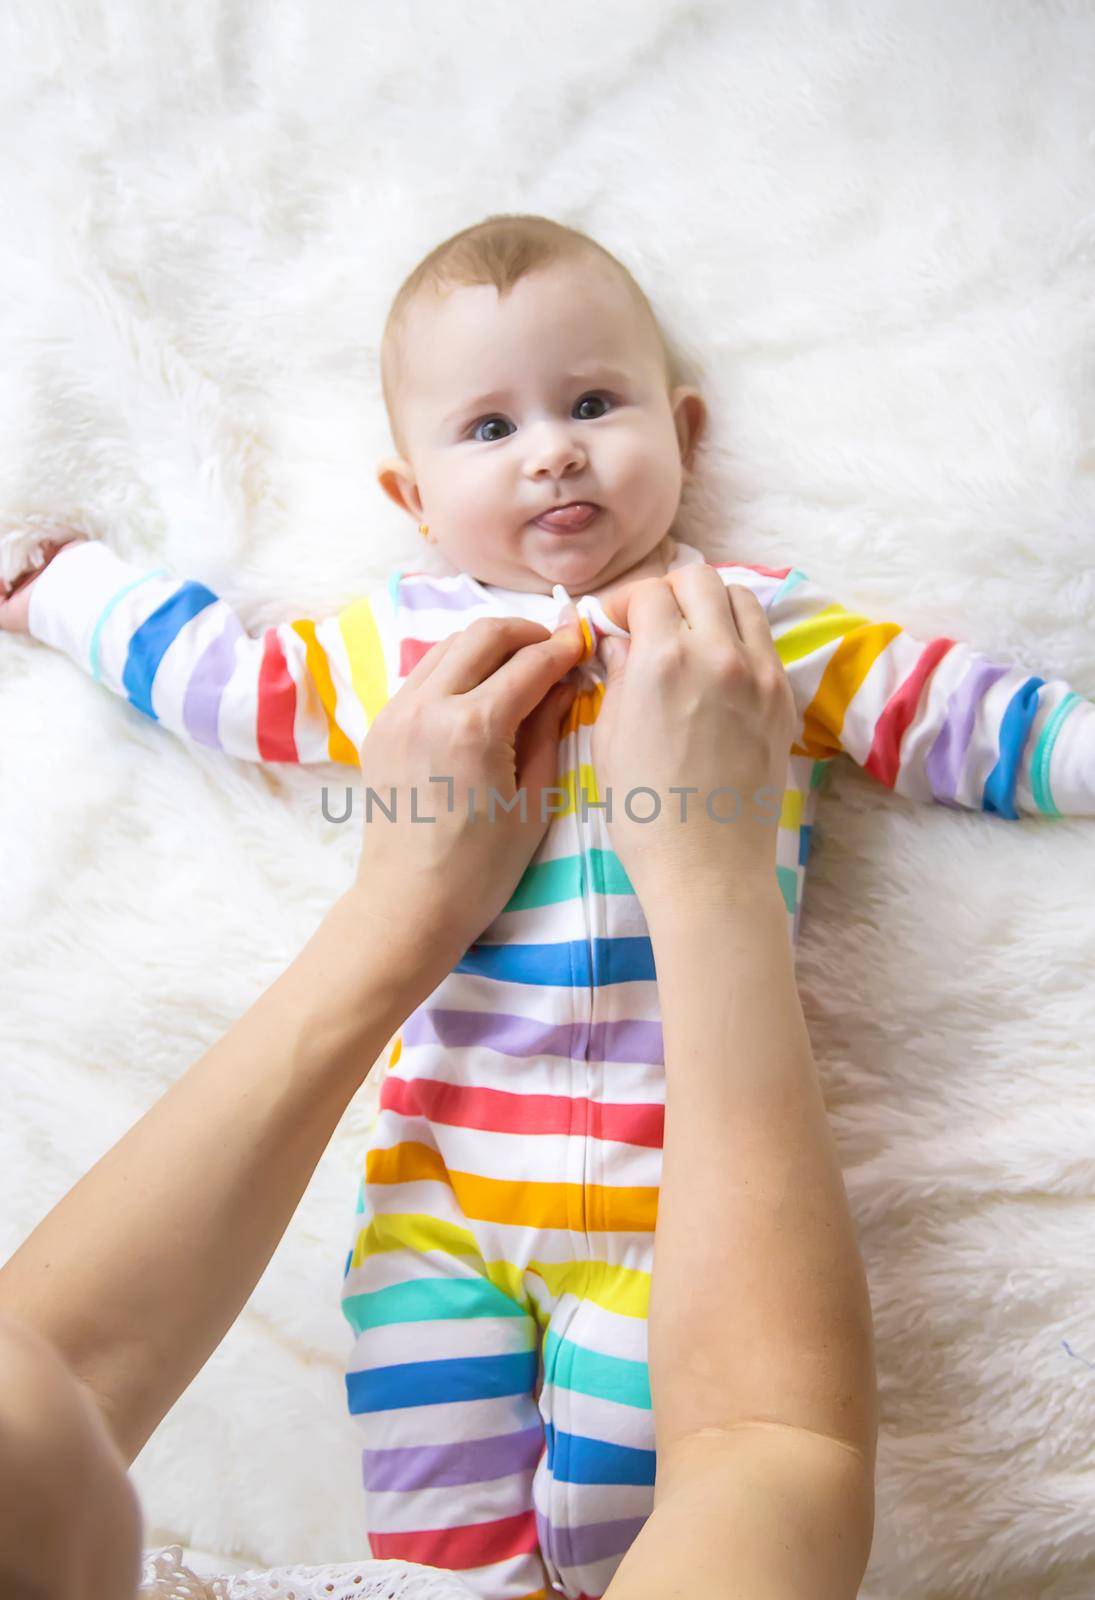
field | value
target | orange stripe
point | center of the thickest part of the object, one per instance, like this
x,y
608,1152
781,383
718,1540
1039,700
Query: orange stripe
x,y
823,721
409,1162
339,747
585,708
518,1202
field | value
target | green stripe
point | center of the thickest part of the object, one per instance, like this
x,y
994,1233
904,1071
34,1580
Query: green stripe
x,y
1039,774
787,877
549,882
428,1300
568,1366
94,646
818,772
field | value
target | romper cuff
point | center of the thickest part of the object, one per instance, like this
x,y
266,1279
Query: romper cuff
x,y
1071,762
74,592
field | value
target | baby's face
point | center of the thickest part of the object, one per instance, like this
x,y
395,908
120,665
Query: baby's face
x,y
555,393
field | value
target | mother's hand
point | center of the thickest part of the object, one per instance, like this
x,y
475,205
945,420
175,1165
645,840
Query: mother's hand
x,y
480,712
699,700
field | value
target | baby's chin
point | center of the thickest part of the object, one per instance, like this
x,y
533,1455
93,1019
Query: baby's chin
x,y
579,562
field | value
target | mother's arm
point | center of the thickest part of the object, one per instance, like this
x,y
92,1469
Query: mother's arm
x,y
138,1273
761,1344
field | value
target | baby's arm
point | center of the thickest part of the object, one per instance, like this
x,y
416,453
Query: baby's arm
x,y
931,719
301,691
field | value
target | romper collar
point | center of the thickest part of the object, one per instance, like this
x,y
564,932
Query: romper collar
x,y
547,608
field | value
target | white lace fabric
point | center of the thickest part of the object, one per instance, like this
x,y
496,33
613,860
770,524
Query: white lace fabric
x,y
165,1577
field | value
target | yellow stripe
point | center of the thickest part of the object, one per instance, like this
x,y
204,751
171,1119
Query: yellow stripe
x,y
368,671
339,747
791,814
519,1202
814,633
573,781
624,1290
412,1232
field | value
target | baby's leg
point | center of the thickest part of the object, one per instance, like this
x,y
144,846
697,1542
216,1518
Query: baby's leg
x,y
594,1488
442,1382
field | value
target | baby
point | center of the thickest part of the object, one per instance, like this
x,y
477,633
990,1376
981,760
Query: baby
x,y
499,1272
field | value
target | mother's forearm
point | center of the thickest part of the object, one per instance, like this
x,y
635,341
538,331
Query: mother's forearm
x,y
760,1308
138,1272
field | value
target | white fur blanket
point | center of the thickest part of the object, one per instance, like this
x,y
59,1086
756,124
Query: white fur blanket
x,y
874,227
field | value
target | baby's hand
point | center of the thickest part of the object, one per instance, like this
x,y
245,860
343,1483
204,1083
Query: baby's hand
x,y
15,595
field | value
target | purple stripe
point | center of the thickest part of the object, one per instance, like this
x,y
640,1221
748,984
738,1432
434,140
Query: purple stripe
x,y
202,702
469,1461
631,1041
582,1546
948,754
418,594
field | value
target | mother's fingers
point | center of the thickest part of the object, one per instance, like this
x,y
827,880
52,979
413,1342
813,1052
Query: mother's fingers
x,y
752,622
519,686
480,649
705,602
472,653
650,607
428,663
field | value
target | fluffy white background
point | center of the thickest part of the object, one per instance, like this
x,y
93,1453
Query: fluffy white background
x,y
874,227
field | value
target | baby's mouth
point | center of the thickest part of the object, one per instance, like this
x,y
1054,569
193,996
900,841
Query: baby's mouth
x,y
570,518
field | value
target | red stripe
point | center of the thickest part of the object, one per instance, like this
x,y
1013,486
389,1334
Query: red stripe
x,y
767,572
884,760
498,1111
277,703
457,1549
411,652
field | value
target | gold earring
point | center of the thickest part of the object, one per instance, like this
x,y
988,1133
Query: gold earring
x,y
425,532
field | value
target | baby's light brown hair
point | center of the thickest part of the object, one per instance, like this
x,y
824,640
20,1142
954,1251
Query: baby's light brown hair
x,y
500,250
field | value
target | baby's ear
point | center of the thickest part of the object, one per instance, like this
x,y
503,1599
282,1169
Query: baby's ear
x,y
396,477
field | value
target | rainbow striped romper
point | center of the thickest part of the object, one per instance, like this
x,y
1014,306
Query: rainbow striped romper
x,y
499,1265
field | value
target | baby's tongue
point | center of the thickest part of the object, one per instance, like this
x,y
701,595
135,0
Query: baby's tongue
x,y
568,516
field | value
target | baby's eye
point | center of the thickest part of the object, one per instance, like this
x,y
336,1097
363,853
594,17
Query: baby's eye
x,y
489,422
596,396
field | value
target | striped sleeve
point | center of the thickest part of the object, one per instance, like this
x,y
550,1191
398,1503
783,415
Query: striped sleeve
x,y
932,719
302,691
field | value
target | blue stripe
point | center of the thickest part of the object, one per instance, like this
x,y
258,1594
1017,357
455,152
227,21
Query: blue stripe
x,y
999,792
574,1459
804,843
153,638
565,965
434,1383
